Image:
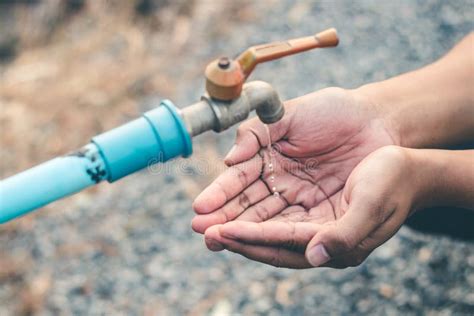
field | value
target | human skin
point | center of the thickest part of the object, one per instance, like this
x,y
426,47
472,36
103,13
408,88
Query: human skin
x,y
346,185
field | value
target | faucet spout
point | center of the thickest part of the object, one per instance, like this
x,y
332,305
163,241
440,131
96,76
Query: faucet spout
x,y
265,100
218,115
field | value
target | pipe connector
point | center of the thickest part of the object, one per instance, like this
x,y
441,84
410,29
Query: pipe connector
x,y
217,115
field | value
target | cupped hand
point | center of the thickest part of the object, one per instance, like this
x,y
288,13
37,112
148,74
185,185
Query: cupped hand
x,y
379,195
316,146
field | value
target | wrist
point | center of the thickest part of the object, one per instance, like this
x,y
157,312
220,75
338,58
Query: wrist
x,y
378,102
424,174
407,109
420,106
441,177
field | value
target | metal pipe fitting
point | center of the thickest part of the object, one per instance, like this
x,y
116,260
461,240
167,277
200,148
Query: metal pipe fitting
x,y
216,115
265,100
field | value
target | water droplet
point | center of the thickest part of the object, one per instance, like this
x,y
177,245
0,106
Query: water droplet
x,y
270,164
267,129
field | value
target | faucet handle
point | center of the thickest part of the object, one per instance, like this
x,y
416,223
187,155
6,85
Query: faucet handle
x,y
225,77
266,52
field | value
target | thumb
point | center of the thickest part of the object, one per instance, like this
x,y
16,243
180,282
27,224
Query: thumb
x,y
344,235
252,135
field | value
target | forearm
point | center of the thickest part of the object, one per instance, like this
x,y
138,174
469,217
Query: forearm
x,y
443,177
432,106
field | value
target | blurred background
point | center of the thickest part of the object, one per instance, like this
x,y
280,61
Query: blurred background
x,y
72,69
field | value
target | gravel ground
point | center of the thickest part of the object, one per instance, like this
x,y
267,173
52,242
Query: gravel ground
x,y
128,248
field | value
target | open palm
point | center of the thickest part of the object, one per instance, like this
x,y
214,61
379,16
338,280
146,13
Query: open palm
x,y
321,139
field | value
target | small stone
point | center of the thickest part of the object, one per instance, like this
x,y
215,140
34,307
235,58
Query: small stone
x,y
470,260
257,290
276,194
262,306
470,279
348,289
223,307
469,298
363,306
282,293
424,254
386,291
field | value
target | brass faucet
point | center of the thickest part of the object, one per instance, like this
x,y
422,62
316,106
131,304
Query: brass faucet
x,y
229,99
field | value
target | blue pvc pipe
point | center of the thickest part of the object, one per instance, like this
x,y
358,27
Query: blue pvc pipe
x,y
159,135
48,182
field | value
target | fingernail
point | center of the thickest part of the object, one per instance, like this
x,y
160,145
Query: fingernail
x,y
230,153
214,245
318,255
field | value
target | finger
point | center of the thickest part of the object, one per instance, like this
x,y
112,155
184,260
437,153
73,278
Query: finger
x,y
379,236
251,136
264,210
351,259
256,192
344,235
227,185
289,235
275,256
213,239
